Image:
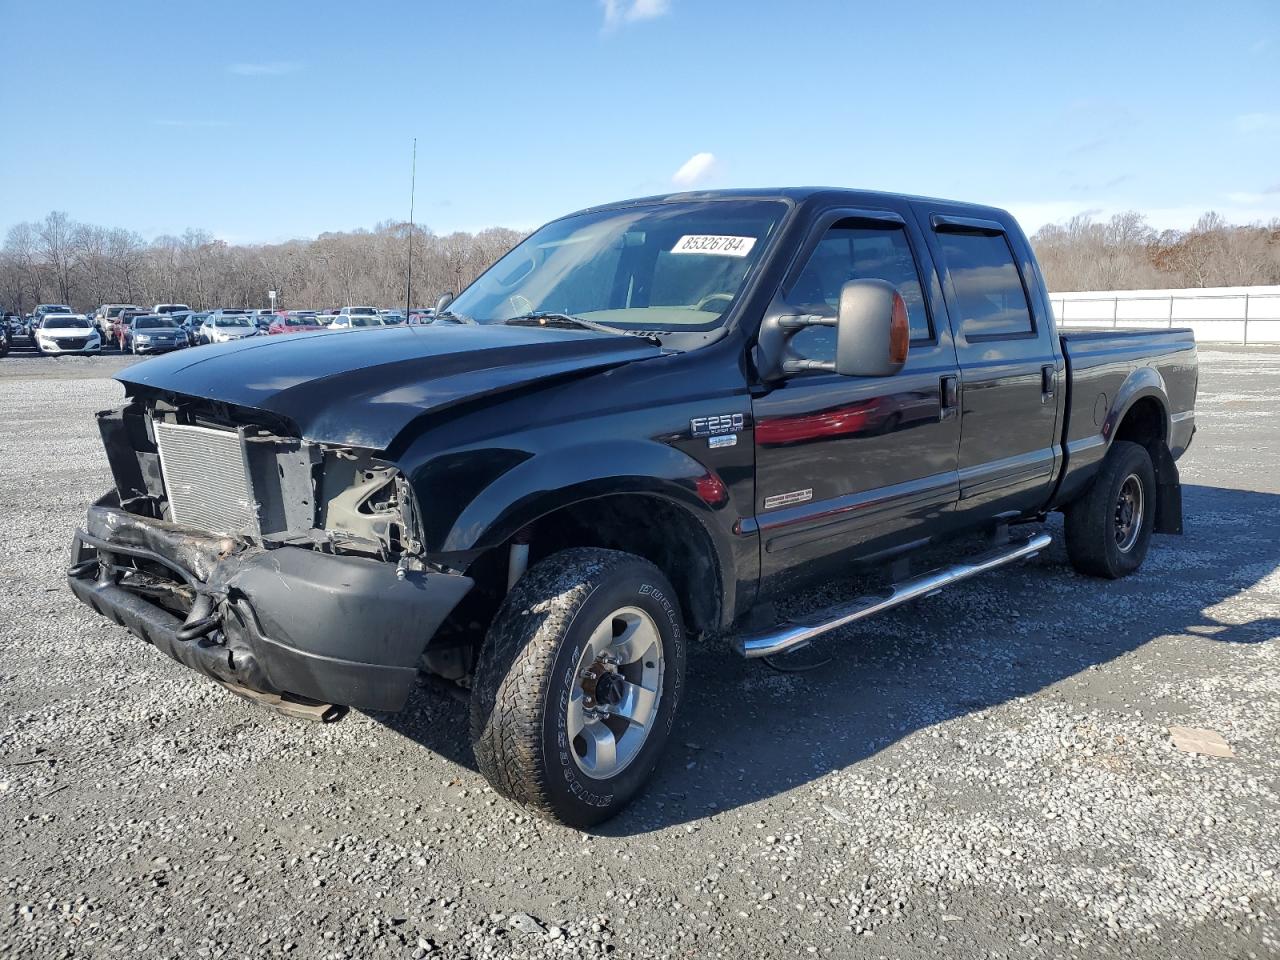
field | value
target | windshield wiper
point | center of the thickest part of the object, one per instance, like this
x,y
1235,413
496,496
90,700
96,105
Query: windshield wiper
x,y
452,317
543,318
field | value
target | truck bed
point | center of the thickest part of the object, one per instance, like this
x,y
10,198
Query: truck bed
x,y
1108,371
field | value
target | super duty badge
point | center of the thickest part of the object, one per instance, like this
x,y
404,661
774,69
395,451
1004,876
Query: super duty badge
x,y
711,426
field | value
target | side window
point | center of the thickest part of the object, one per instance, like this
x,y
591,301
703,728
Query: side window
x,y
990,298
849,252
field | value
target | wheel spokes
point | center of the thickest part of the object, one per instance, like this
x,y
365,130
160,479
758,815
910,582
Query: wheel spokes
x,y
602,749
636,640
576,718
636,705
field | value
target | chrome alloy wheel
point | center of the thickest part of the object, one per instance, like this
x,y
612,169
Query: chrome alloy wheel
x,y
1129,511
614,700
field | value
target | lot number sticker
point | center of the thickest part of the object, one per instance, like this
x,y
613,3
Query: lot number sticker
x,y
719,246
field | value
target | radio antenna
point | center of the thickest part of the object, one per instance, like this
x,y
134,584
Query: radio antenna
x,y
408,279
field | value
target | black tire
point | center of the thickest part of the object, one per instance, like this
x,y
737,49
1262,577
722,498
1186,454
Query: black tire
x,y
1098,542
529,668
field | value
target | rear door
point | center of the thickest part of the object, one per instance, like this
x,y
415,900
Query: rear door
x,y
1010,366
851,466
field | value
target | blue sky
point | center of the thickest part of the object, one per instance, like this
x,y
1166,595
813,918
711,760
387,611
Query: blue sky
x,y
263,121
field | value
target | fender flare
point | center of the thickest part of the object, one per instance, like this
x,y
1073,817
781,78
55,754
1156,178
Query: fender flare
x,y
1142,383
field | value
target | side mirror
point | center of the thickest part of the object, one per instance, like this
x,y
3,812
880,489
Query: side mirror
x,y
443,303
872,333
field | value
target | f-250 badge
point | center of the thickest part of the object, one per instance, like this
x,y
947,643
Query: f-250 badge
x,y
713,426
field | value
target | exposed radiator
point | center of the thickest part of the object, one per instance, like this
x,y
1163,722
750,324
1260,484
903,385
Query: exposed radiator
x,y
206,478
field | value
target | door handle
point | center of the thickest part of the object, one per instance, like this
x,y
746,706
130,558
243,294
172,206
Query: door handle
x,y
949,405
1048,373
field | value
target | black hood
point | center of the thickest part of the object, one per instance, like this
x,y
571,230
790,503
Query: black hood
x,y
363,387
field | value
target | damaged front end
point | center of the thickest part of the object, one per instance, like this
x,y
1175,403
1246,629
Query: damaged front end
x,y
289,570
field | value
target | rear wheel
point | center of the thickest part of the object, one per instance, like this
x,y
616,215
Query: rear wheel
x,y
578,684
1109,528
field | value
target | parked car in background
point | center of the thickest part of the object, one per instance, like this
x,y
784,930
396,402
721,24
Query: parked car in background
x,y
223,326
46,308
290,324
60,333
421,315
262,319
163,308
185,320
191,323
154,333
358,312
105,315
356,321
121,320
4,338
391,317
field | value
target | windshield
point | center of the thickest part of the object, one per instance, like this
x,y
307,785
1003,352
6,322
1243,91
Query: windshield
x,y
66,323
233,321
663,267
362,311
151,323
297,322
360,320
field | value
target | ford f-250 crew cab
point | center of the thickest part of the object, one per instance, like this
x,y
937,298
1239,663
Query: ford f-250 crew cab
x,y
639,426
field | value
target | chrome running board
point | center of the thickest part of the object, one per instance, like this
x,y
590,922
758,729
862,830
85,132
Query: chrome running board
x,y
789,636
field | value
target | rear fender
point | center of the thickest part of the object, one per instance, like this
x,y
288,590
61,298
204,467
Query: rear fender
x,y
1142,382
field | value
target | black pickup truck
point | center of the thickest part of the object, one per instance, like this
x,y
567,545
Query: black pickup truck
x,y
641,426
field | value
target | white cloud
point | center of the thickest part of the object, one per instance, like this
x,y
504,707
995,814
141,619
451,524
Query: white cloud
x,y
276,68
1258,122
618,12
694,169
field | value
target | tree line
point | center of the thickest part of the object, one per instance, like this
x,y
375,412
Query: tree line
x,y
58,260
1126,253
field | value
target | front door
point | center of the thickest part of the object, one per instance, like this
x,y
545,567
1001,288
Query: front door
x,y
855,466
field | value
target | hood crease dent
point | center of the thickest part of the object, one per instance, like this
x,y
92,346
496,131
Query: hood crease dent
x,y
363,388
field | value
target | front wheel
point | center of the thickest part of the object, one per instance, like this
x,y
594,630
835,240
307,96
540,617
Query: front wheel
x,y
1109,528
578,684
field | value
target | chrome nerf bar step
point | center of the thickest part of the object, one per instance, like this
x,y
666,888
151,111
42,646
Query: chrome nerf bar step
x,y
789,636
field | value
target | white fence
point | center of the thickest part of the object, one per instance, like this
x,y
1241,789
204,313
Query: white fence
x,y
1216,314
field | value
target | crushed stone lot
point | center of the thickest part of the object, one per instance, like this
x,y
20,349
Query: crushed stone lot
x,y
983,773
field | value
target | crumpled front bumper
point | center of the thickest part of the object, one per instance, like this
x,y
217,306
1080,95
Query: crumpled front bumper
x,y
286,621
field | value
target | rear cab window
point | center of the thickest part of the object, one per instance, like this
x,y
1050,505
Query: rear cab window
x,y
990,300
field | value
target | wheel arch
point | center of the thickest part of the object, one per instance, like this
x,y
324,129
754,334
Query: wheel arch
x,y
643,497
1141,415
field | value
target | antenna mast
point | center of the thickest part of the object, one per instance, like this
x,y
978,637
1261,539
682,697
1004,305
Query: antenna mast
x,y
408,281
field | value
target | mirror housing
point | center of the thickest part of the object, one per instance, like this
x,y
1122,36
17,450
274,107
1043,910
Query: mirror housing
x,y
872,332
442,304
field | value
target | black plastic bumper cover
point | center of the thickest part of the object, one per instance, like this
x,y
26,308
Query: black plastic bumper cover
x,y
336,629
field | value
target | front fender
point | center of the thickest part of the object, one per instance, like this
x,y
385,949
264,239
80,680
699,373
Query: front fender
x,y
554,479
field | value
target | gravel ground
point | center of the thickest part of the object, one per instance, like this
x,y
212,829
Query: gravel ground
x,y
985,773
